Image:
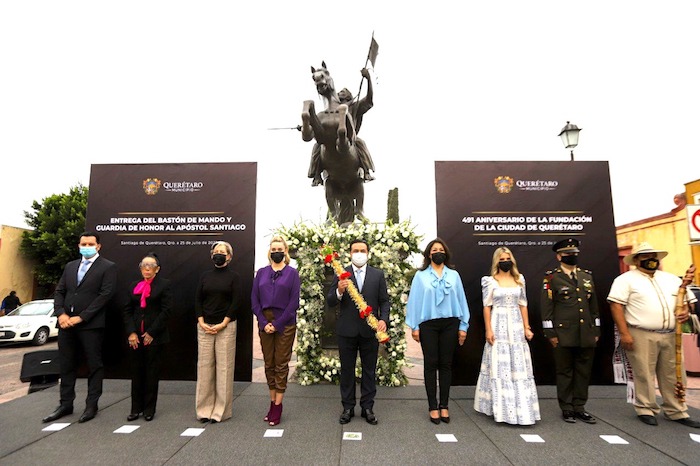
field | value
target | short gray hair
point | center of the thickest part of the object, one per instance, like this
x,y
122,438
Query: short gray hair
x,y
228,247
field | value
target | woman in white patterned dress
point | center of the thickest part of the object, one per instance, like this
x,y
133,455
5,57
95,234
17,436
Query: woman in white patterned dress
x,y
506,387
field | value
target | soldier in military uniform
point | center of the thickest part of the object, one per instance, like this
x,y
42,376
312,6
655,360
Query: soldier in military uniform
x,y
571,322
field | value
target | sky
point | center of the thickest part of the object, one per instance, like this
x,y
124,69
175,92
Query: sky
x,y
94,82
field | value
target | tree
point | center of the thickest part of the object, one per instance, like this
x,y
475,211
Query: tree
x,y
58,221
392,210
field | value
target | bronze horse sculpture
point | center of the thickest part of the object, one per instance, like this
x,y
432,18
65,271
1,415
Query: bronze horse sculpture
x,y
334,131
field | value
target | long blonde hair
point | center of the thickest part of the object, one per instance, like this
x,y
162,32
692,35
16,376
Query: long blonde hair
x,y
279,239
514,272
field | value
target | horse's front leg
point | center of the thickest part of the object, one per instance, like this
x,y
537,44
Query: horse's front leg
x,y
331,201
359,201
309,121
342,143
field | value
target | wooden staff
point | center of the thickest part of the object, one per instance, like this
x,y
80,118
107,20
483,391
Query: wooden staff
x,y
680,304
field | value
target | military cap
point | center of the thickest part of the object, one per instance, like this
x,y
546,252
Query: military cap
x,y
566,245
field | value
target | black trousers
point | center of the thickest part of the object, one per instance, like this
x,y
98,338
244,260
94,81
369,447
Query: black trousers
x,y
71,343
573,366
438,340
347,349
145,375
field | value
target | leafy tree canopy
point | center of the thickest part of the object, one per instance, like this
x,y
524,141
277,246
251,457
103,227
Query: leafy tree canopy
x,y
58,221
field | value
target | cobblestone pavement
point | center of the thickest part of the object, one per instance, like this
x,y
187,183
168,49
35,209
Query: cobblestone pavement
x,y
10,366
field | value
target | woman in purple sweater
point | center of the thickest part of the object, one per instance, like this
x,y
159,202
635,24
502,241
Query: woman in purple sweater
x,y
275,300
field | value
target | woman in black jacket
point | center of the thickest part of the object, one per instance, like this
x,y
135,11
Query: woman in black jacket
x,y
146,314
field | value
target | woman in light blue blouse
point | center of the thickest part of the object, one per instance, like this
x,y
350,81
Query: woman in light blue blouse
x,y
438,315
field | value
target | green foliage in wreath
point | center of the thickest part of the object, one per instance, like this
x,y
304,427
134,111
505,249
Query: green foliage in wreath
x,y
390,247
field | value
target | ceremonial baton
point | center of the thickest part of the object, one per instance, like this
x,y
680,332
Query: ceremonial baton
x,y
680,301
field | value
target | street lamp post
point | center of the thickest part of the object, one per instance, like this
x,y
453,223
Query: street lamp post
x,y
569,136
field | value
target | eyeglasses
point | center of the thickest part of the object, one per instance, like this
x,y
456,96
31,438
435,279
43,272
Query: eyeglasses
x,y
148,266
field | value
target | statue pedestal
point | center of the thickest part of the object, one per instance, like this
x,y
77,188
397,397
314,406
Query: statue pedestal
x,y
329,339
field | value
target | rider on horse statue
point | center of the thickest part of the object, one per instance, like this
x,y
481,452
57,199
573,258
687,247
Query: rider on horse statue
x,y
356,110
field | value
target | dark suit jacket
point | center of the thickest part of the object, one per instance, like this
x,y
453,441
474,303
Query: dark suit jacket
x,y
88,299
570,308
375,294
155,315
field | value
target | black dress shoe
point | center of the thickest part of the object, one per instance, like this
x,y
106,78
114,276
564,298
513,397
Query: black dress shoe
x,y
686,421
132,417
148,417
58,413
648,420
87,415
585,417
369,416
568,416
346,415
204,420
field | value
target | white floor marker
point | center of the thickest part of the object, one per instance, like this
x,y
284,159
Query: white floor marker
x,y
56,426
614,439
446,437
532,438
192,432
274,433
126,429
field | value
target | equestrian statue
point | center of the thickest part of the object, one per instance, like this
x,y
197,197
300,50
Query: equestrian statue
x,y
340,160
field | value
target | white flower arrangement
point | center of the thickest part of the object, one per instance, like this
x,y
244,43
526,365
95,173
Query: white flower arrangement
x,y
390,246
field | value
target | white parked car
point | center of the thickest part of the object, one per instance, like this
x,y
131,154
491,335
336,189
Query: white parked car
x,y
33,321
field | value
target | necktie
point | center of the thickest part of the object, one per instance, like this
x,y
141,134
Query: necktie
x,y
359,278
83,268
573,276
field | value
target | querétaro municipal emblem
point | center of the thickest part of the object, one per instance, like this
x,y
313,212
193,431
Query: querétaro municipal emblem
x,y
151,186
503,184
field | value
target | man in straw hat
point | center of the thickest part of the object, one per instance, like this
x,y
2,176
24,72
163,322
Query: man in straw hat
x,y
571,322
642,302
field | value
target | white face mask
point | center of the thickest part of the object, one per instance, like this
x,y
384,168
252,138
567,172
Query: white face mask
x,y
359,259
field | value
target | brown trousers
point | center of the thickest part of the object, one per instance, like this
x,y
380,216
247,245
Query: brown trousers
x,y
277,352
654,355
215,361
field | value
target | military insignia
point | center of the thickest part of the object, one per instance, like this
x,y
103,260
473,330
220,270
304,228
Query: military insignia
x,y
503,184
587,284
151,186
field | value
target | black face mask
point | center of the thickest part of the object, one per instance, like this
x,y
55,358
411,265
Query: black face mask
x,y
277,256
438,257
569,260
219,259
649,264
505,265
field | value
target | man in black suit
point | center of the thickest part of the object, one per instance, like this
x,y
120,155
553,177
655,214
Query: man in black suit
x,y
80,302
355,334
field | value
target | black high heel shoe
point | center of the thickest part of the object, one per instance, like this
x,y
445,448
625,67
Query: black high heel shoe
x,y
434,420
445,419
